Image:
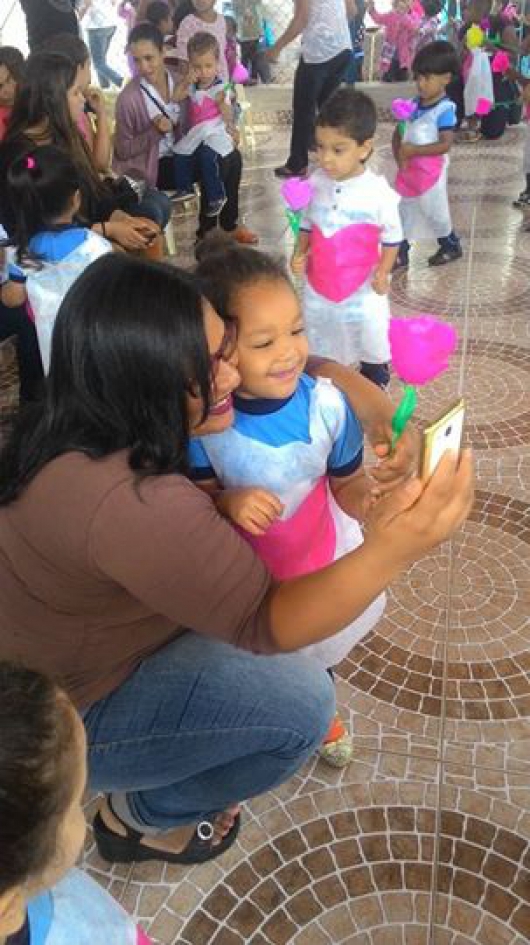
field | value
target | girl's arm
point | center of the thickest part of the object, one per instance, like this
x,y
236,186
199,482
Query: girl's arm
x,y
353,494
442,146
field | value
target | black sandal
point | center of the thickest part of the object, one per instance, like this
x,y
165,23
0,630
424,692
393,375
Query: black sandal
x,y
129,849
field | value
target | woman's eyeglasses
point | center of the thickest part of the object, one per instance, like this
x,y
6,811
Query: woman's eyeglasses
x,y
227,347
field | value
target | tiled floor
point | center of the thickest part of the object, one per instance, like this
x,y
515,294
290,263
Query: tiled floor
x,y
425,838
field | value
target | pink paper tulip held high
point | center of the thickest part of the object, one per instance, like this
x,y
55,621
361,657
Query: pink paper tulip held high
x,y
297,193
403,108
421,348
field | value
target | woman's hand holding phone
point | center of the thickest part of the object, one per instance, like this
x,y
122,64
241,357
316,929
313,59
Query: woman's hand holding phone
x,y
410,521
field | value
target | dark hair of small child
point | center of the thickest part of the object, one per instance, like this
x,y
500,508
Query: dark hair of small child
x,y
351,112
224,268
37,729
146,33
201,43
42,186
159,14
12,60
437,58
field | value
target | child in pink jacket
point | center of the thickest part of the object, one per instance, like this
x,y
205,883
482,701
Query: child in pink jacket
x,y
397,50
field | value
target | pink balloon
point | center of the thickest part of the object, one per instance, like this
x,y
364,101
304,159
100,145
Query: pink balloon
x,y
500,63
403,108
297,193
484,107
421,348
240,75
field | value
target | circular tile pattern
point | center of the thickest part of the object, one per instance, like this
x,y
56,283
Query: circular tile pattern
x,y
401,662
355,873
497,383
431,290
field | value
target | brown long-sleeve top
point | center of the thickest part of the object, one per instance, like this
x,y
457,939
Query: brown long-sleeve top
x,y
97,573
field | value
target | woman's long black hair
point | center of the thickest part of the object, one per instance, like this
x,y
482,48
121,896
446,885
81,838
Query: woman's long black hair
x,y
128,348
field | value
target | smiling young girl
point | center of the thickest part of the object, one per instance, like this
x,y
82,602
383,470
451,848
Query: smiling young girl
x,y
11,69
289,472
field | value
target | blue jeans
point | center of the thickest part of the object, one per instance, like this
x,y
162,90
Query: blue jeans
x,y
154,205
201,725
206,162
99,40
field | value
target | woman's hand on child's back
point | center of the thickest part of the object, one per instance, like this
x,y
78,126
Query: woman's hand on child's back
x,y
254,510
413,519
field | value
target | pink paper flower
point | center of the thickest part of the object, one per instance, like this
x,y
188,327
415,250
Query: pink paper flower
x,y
421,348
297,193
500,63
483,107
403,108
240,75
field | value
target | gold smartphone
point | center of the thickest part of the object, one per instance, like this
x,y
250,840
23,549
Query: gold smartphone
x,y
444,434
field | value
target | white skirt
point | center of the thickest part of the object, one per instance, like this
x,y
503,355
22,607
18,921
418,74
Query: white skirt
x,y
351,331
427,215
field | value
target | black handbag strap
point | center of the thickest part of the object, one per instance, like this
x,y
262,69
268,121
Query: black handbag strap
x,y
156,102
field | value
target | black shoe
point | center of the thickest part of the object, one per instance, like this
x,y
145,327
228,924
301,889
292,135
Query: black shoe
x,y
523,199
114,848
285,171
445,255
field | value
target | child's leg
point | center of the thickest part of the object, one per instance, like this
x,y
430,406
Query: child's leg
x,y
209,164
184,168
375,348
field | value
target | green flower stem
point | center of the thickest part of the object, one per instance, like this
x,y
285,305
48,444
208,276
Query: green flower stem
x,y
403,413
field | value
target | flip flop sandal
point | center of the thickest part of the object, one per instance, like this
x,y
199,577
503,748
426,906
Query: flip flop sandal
x,y
129,849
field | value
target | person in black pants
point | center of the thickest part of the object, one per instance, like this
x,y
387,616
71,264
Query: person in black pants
x,y
326,57
15,321
46,18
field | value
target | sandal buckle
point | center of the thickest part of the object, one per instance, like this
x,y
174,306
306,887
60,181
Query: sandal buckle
x,y
205,830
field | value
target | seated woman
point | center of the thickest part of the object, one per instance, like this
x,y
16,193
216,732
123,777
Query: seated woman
x,y
47,111
121,578
149,121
